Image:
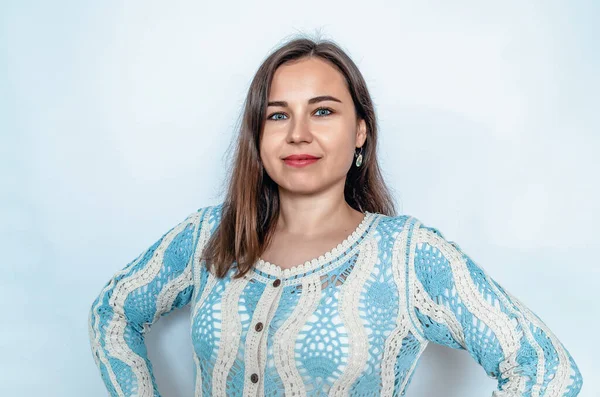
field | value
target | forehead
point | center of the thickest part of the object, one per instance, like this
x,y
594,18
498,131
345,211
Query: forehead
x,y
306,78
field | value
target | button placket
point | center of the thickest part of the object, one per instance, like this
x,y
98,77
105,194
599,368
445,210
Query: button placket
x,y
257,338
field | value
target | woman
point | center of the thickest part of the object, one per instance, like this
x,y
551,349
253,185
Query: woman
x,y
303,281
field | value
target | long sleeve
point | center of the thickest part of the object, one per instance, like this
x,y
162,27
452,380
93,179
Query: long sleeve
x,y
155,283
455,303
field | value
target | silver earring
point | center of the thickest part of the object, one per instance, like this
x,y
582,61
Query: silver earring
x,y
359,159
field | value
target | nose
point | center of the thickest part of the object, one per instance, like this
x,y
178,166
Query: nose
x,y
299,130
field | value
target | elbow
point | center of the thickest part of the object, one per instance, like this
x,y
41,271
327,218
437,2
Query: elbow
x,y
575,378
567,379
92,319
100,314
93,330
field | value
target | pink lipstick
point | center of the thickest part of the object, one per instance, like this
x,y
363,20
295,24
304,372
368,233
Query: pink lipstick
x,y
300,160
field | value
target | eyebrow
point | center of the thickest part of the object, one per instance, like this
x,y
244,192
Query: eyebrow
x,y
316,99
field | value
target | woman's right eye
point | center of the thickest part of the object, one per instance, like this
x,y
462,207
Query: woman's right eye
x,y
275,114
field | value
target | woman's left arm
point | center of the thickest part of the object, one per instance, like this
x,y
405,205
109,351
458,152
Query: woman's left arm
x,y
455,303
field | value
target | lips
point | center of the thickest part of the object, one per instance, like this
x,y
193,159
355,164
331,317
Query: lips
x,y
300,160
301,157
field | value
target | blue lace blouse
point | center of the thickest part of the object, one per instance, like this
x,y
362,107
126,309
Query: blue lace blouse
x,y
352,322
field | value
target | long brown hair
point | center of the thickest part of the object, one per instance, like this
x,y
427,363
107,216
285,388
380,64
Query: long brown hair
x,y
251,207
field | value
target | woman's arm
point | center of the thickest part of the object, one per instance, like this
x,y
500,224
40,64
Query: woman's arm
x,y
158,281
457,304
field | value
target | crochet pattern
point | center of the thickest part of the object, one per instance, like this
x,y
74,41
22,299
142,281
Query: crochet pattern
x,y
352,322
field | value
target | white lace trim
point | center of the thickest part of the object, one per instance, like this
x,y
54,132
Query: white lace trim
x,y
210,283
312,264
231,331
393,343
410,277
284,341
349,310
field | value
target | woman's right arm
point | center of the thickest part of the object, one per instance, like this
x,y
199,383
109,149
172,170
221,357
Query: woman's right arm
x,y
155,283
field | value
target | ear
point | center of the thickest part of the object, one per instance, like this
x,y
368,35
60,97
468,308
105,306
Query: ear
x,y
361,133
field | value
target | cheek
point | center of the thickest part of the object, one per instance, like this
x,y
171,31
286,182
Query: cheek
x,y
269,153
339,151
345,159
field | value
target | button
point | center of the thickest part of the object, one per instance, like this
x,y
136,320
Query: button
x,y
254,378
258,327
276,283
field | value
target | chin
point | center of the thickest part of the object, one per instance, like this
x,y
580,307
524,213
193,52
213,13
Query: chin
x,y
300,188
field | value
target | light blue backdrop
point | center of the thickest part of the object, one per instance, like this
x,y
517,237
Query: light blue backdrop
x,y
116,119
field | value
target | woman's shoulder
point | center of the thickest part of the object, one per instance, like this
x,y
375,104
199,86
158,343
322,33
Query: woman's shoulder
x,y
203,216
212,210
211,214
407,224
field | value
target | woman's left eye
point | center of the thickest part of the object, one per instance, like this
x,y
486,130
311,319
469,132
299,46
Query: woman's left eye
x,y
325,109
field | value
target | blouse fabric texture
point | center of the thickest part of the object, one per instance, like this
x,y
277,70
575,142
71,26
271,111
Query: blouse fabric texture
x,y
352,322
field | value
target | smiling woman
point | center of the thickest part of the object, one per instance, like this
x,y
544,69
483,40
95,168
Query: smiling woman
x,y
304,281
317,119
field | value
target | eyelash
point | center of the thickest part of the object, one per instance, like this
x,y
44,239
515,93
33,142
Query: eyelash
x,y
316,110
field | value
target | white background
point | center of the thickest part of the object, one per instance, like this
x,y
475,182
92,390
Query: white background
x,y
116,120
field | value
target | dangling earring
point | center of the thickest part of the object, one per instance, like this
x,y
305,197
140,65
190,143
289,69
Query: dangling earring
x,y
359,159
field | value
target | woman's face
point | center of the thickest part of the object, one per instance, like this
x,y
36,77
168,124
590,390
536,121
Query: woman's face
x,y
310,111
